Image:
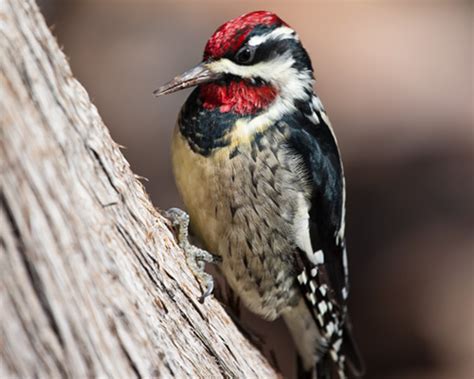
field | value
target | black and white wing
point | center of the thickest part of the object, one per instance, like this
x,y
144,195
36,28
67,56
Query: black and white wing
x,y
324,272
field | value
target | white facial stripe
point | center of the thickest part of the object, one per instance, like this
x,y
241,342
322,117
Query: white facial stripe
x,y
281,33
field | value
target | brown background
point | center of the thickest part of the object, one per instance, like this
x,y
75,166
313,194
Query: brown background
x,y
396,79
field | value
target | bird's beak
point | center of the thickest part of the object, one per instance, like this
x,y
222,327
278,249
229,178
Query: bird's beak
x,y
197,75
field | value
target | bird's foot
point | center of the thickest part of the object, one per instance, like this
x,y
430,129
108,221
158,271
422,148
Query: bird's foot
x,y
196,258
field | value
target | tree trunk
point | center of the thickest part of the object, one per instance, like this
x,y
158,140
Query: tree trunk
x,y
92,282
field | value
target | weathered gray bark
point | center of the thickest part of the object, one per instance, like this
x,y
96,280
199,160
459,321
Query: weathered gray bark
x,y
92,283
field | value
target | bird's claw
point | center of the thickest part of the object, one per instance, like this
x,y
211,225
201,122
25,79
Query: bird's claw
x,y
196,258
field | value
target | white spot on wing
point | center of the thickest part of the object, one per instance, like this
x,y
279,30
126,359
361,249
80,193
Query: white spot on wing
x,y
314,118
330,328
311,298
323,290
344,293
320,319
322,306
337,344
317,257
302,278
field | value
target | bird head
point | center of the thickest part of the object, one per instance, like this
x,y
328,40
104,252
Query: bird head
x,y
250,64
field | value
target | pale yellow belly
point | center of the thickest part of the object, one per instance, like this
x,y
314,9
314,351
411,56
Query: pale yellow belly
x,y
239,213
199,187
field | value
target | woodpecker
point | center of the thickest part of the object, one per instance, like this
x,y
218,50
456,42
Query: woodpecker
x,y
257,165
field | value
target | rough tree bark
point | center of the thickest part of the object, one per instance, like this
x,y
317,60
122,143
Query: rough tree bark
x,y
92,283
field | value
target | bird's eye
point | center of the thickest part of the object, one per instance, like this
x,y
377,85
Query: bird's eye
x,y
245,55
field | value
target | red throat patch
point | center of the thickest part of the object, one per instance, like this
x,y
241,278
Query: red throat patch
x,y
230,36
237,96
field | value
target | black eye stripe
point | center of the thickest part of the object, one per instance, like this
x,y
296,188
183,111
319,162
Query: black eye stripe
x,y
272,48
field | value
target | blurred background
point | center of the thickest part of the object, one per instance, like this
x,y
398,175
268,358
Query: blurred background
x,y
397,80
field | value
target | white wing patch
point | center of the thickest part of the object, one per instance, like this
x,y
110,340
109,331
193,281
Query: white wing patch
x,y
301,225
302,235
